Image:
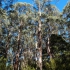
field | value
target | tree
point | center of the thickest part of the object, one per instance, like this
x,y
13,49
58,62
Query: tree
x,y
27,30
66,17
24,18
48,15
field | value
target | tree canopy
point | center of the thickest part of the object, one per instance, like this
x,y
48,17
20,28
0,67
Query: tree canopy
x,y
34,37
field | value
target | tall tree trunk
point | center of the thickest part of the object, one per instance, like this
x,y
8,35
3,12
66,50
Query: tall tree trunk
x,y
40,45
36,45
40,39
48,48
16,64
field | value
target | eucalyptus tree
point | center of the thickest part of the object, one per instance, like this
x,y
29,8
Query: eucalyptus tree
x,y
66,17
48,14
38,8
4,34
3,26
53,21
24,28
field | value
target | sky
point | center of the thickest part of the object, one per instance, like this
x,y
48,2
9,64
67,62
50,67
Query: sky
x,y
59,4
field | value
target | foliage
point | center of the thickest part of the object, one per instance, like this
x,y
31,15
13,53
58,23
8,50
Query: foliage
x,y
2,63
60,60
10,67
66,17
28,68
19,24
50,65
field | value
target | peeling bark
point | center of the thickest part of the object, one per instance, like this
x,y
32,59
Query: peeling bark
x,y
48,48
40,45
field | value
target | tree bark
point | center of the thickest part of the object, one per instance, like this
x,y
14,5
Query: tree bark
x,y
40,39
40,45
16,64
48,48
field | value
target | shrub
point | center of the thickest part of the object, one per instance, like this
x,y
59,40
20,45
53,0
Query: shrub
x,y
2,63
